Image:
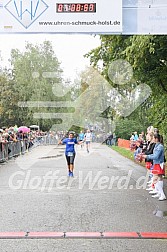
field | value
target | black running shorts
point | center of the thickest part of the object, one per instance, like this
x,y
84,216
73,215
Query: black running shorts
x,y
70,159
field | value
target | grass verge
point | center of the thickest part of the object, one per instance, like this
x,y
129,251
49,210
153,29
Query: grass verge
x,y
124,152
129,154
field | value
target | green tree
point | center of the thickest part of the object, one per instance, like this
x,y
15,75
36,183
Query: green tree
x,y
34,73
148,57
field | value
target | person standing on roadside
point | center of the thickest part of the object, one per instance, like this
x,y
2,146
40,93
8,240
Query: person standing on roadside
x,y
149,148
158,158
70,151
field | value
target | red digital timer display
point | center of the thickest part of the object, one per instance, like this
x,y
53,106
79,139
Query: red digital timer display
x,y
75,7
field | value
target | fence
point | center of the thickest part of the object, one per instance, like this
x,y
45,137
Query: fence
x,y
48,140
12,149
124,143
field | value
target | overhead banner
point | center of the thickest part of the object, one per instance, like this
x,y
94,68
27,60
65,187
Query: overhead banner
x,y
84,16
144,17
51,16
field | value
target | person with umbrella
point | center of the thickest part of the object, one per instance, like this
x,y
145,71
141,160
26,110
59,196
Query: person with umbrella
x,y
23,129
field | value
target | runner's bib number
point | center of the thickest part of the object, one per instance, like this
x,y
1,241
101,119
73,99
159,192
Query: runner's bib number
x,y
70,154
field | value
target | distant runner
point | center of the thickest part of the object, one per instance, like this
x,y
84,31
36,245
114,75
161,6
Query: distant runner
x,y
88,138
81,138
70,151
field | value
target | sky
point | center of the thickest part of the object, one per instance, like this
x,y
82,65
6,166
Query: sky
x,y
69,49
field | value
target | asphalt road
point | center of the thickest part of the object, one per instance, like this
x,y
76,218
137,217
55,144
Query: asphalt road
x,y
107,193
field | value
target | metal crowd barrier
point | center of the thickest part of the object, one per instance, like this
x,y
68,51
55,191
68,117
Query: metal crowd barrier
x,y
49,140
12,149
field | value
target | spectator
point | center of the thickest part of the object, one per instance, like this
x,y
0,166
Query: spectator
x,y
136,136
142,136
114,139
132,142
150,129
158,158
138,151
109,139
149,150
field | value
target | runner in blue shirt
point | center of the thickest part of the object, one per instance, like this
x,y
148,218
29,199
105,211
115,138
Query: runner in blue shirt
x,y
70,151
81,137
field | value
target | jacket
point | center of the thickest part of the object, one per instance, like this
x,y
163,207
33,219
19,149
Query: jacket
x,y
158,154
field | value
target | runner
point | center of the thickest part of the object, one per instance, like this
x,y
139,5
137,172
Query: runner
x,y
81,138
88,137
70,151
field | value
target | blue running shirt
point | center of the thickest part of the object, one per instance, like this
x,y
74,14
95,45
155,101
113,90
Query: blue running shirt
x,y
81,136
70,143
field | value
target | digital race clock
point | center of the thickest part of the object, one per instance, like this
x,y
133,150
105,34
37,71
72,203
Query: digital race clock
x,y
75,7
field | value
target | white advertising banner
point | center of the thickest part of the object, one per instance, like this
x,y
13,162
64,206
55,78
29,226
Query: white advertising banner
x,y
144,17
55,16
